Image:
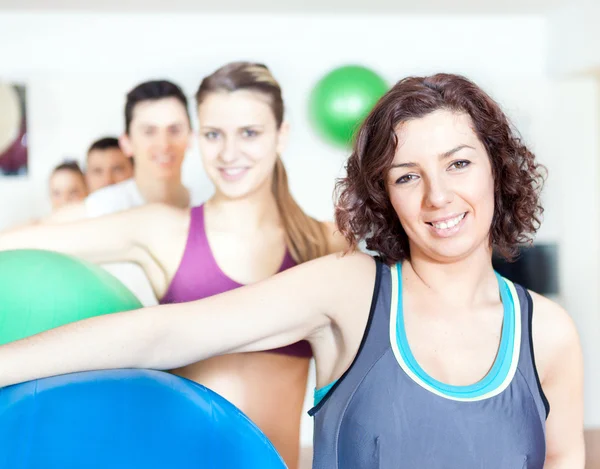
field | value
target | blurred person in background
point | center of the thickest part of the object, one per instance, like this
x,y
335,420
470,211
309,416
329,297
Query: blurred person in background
x,y
156,138
157,135
107,164
67,185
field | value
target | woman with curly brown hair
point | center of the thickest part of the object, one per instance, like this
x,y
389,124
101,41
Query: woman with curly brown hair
x,y
425,356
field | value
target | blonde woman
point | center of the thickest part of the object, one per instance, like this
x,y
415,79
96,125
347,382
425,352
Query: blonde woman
x,y
250,229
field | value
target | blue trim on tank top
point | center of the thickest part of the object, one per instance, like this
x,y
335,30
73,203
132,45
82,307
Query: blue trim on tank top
x,y
500,368
320,393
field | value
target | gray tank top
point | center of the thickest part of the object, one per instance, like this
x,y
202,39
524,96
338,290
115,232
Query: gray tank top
x,y
386,413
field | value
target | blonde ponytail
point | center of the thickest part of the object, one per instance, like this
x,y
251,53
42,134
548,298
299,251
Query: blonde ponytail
x,y
305,236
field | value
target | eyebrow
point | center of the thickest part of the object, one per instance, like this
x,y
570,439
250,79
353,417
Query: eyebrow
x,y
154,125
442,156
248,126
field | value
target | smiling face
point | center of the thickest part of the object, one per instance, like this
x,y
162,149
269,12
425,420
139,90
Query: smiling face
x,y
107,166
159,135
441,187
66,187
239,141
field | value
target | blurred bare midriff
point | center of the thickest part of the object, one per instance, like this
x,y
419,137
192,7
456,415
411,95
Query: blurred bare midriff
x,y
268,387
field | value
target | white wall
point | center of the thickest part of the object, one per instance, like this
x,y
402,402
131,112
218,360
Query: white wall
x,y
575,38
577,101
78,68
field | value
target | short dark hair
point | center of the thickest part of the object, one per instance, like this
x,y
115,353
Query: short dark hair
x,y
364,210
69,165
153,91
104,143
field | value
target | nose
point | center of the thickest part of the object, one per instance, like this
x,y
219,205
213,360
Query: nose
x,y
228,151
438,193
163,141
102,180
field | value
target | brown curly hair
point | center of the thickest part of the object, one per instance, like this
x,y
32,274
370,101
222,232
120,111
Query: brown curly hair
x,y
364,210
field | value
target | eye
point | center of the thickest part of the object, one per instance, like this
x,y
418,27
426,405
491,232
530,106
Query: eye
x,y
211,135
248,133
460,164
406,178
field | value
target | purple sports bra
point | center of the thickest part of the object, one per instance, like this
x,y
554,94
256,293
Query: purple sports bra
x,y
199,276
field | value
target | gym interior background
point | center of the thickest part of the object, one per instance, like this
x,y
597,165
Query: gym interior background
x,y
539,58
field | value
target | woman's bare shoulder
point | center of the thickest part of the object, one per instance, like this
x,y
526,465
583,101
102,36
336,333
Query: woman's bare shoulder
x,y
554,334
336,241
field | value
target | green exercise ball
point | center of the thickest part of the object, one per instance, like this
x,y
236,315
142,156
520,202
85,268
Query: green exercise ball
x,y
342,99
40,290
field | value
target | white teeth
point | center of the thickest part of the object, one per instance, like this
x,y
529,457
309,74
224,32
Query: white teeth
x,y
233,171
444,225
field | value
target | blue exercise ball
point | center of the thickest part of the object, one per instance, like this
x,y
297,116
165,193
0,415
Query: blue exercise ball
x,y
126,419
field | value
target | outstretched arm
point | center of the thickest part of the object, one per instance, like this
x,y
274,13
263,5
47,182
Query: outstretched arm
x,y
105,239
283,309
69,213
